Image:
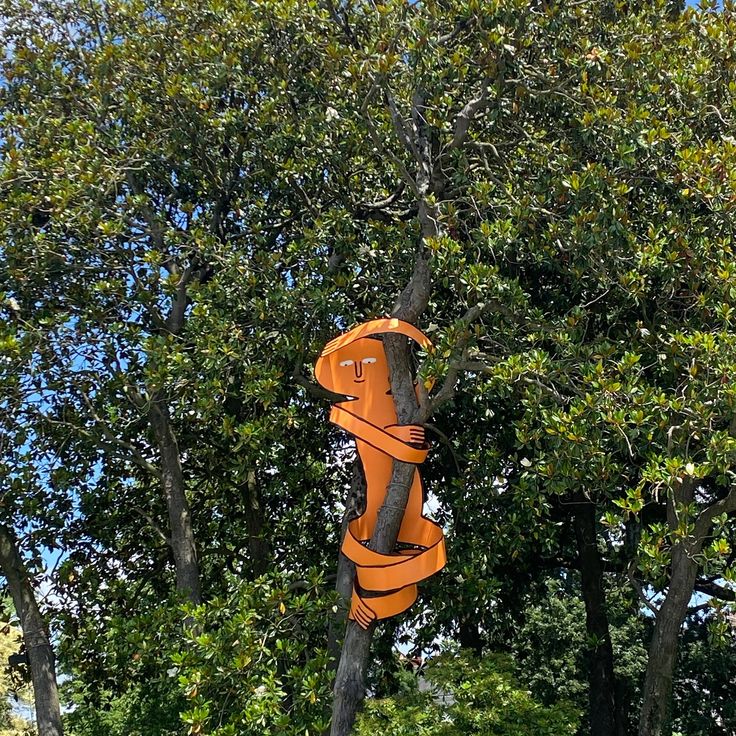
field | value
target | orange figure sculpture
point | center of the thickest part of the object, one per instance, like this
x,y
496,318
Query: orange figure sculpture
x,y
354,364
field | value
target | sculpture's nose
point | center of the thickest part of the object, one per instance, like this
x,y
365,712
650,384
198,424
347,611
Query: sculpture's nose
x,y
358,368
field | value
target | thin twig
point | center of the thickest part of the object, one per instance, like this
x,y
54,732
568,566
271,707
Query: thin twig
x,y
153,524
640,592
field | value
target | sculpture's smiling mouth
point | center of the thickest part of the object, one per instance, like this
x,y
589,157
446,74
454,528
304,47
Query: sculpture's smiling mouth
x,y
359,380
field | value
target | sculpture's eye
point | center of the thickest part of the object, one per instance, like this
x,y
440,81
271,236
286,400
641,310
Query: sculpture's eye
x,y
345,363
368,360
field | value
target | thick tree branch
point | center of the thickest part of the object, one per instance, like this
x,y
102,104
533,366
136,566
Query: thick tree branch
x,y
175,320
447,391
706,517
381,147
466,115
636,585
400,127
315,389
41,659
460,26
155,227
382,204
414,298
711,588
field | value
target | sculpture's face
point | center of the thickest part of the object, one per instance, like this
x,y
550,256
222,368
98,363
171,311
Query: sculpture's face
x,y
358,369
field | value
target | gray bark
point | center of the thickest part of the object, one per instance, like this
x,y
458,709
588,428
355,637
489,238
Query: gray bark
x,y
655,711
172,481
41,660
349,689
172,478
345,567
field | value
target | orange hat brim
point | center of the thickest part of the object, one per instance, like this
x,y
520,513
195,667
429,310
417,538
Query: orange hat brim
x,y
377,327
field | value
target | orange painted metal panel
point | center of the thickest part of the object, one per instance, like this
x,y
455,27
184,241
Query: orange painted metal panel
x,y
355,364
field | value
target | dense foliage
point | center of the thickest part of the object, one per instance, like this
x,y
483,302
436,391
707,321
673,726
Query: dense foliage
x,y
194,197
257,662
461,696
15,693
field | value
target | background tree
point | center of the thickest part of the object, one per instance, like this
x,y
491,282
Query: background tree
x,y
15,688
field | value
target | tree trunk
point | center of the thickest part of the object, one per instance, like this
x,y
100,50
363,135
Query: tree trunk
x,y
180,520
349,689
468,635
655,711
601,677
257,543
657,697
41,660
344,589
345,567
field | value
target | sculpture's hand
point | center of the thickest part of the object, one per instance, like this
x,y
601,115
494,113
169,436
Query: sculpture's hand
x,y
412,434
361,612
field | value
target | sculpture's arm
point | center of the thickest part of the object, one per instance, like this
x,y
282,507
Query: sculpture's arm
x,y
380,438
411,434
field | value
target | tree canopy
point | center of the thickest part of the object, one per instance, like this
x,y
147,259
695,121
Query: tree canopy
x,y
196,197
